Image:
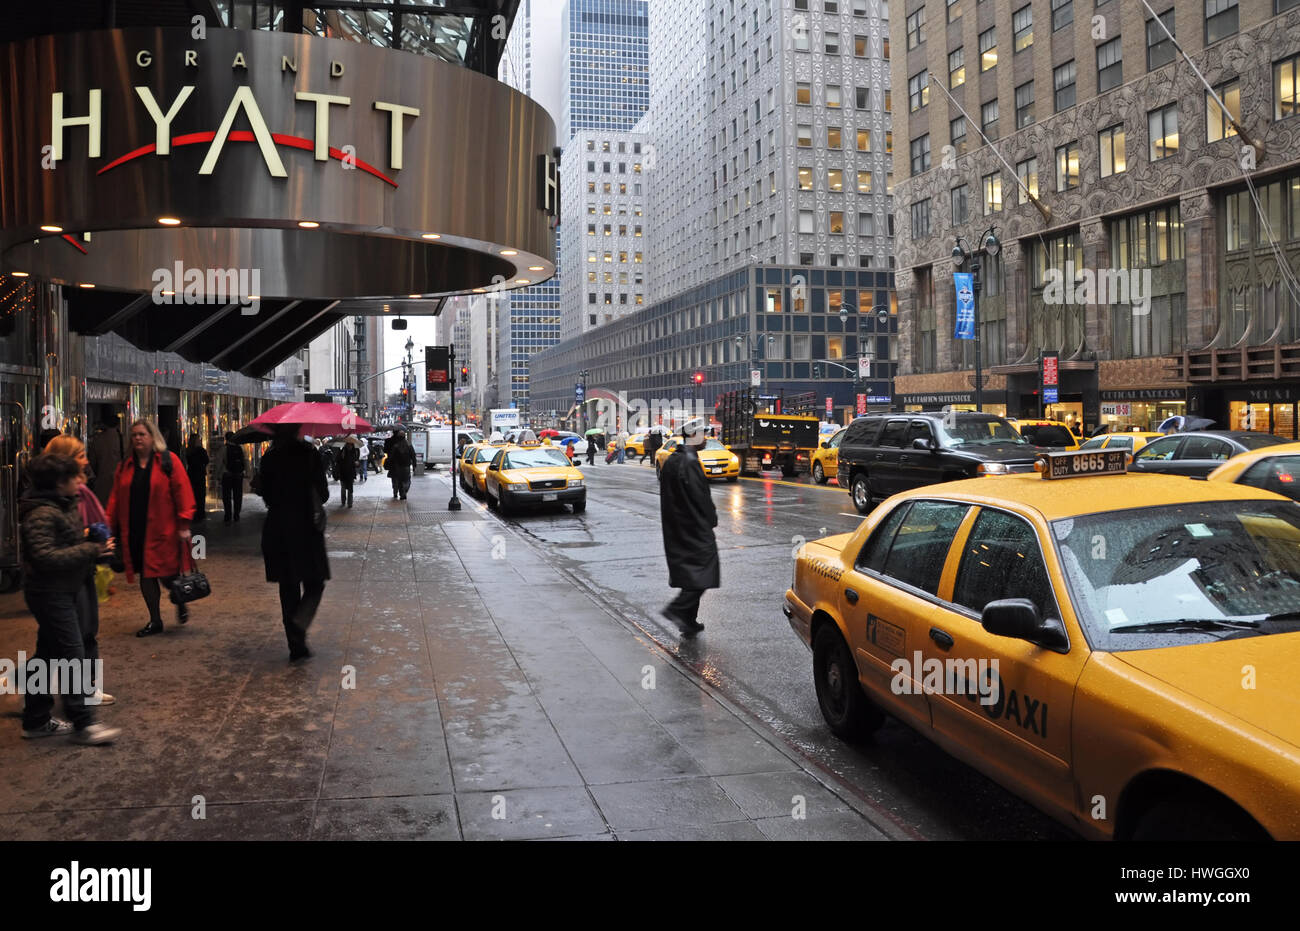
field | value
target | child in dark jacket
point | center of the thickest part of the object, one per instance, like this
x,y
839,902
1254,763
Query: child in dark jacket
x,y
57,560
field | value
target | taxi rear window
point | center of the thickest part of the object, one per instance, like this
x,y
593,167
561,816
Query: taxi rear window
x,y
1047,435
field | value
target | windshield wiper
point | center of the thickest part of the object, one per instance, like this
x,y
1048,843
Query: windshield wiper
x,y
1284,616
1184,624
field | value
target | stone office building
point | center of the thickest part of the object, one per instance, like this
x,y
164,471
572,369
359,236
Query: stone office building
x,y
1080,135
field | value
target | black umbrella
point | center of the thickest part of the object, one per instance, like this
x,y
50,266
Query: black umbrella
x,y
251,434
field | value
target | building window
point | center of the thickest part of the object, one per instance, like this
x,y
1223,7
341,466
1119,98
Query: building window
x,y
1160,51
833,96
1220,19
921,154
835,179
1111,144
957,133
805,179
1216,122
803,93
1062,14
866,224
957,67
805,221
1027,173
804,136
989,119
1063,83
921,218
918,90
832,45
1022,28
862,97
889,142
1067,166
859,7
1239,211
837,222
864,140
864,182
1110,65
960,204
988,49
1162,126
915,28
859,46
1024,105
954,10
992,193
1286,93
834,138
800,40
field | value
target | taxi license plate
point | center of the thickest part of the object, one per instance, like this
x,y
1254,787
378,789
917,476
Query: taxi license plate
x,y
715,471
551,497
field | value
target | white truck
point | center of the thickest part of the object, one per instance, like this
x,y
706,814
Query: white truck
x,y
503,419
438,444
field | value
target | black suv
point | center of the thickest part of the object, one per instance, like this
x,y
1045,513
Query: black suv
x,y
883,454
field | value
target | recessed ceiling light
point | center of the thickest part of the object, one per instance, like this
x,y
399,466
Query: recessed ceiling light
x,y
168,293
169,221
479,290
19,274
431,236
86,285
509,252
308,224
51,228
536,268
253,297
413,295
523,281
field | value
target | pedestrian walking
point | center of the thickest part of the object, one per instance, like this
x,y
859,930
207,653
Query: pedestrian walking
x,y
363,459
104,454
150,511
400,459
196,467
345,470
620,445
232,478
593,442
653,441
95,521
57,560
295,490
688,515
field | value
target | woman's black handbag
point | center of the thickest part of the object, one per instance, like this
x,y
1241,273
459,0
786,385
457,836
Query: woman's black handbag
x,y
189,586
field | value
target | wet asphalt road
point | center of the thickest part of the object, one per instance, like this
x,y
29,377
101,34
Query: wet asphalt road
x,y
747,648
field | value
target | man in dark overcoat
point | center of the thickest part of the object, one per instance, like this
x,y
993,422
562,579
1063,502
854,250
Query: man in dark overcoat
x,y
688,515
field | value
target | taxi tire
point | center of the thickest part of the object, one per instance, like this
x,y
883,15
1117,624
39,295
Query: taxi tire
x,y
503,508
579,506
847,710
860,490
1197,816
733,478
819,474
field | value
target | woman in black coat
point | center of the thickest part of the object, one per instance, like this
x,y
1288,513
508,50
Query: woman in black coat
x,y
688,515
294,487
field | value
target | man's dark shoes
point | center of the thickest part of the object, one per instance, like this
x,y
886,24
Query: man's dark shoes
x,y
295,655
148,630
687,627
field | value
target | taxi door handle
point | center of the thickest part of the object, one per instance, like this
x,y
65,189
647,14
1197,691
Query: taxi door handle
x,y
851,596
942,638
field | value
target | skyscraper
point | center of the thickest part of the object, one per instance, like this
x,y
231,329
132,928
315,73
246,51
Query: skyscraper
x,y
607,65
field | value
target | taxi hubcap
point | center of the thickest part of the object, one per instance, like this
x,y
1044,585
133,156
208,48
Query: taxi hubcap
x,y
860,493
834,682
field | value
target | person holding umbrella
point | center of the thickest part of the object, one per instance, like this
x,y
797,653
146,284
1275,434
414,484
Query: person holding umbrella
x,y
688,515
400,459
295,490
593,437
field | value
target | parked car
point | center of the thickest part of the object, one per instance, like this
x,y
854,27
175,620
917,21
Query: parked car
x,y
1132,441
883,454
1050,434
1200,452
1272,468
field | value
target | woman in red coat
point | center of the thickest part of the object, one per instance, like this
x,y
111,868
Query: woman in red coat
x,y
150,509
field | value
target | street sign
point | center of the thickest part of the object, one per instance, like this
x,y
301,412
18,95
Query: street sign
x,y
341,392
437,368
579,390
1050,370
755,377
862,404
830,408
864,367
1050,395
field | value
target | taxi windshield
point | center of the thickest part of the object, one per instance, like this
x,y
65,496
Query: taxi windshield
x,y
978,430
713,444
1185,573
534,458
486,454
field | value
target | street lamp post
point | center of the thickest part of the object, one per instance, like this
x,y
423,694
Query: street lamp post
x,y
961,254
747,340
582,406
882,317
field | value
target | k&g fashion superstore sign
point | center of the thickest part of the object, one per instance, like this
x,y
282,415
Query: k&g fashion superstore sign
x,y
342,170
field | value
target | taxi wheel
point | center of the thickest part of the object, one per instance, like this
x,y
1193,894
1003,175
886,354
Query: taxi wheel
x,y
819,474
860,489
579,506
733,478
846,708
503,508
1196,816
491,501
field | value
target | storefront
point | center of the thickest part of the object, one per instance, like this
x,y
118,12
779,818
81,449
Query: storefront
x,y
993,402
1125,409
1241,407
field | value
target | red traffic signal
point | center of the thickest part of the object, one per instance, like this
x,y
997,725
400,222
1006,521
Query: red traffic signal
x,y
464,371
699,378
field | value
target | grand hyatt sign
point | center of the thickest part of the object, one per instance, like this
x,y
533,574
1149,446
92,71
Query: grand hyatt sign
x,y
339,170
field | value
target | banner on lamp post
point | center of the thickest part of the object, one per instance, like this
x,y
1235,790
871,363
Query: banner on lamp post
x,y
964,327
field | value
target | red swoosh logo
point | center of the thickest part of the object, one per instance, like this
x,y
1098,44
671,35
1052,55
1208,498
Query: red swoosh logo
x,y
244,135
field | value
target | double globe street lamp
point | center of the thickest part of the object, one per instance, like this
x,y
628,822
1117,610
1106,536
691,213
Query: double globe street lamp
x,y
961,255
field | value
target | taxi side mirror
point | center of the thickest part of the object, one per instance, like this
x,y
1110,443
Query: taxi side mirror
x,y
1018,618
825,445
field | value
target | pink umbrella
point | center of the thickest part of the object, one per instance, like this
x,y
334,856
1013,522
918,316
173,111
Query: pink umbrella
x,y
317,418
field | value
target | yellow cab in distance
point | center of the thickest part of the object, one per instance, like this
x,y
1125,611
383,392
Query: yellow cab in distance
x,y
1052,434
826,458
715,459
473,466
1127,440
635,445
529,474
1118,650
1273,468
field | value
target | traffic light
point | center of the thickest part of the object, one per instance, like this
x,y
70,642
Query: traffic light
x,y
699,378
817,370
464,373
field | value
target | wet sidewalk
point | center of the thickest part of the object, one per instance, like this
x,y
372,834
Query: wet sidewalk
x,y
462,687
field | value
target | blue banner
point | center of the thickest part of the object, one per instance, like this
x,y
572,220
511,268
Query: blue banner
x,y
965,323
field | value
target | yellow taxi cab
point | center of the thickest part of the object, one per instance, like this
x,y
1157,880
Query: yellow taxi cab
x,y
530,474
635,445
473,466
1116,650
1049,433
715,459
826,458
1131,441
1273,468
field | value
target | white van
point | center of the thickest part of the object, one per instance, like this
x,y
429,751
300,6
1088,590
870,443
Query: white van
x,y
439,444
